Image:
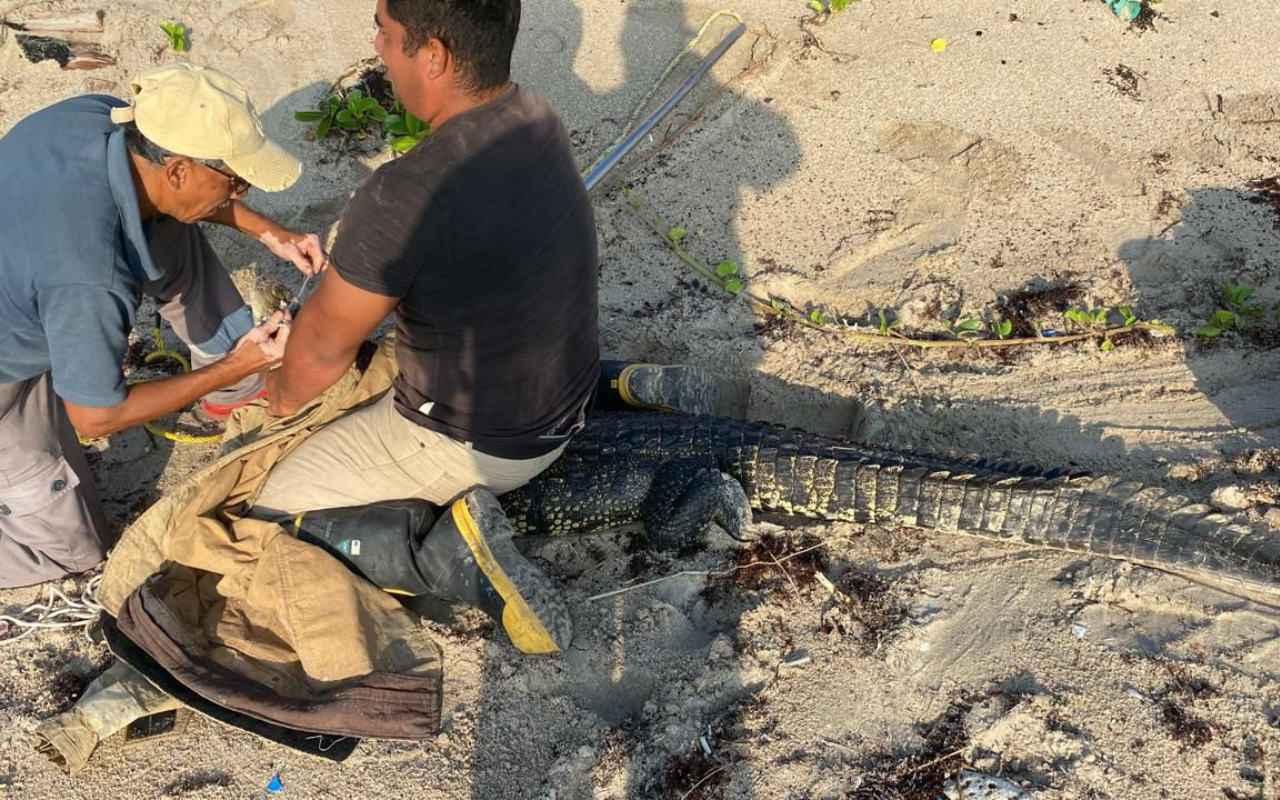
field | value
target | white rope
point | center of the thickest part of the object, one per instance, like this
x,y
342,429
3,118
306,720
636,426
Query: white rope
x,y
58,611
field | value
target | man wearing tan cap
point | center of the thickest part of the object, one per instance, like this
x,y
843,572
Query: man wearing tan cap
x,y
98,209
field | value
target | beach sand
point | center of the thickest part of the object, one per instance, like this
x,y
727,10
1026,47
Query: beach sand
x,y
1051,156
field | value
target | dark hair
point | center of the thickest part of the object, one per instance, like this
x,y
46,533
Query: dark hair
x,y
142,146
479,34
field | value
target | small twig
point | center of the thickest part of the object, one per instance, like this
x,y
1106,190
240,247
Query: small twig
x,y
625,589
716,574
952,754
705,778
784,572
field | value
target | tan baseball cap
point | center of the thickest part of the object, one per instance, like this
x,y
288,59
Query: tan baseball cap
x,y
202,113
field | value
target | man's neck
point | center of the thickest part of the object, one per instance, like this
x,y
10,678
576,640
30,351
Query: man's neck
x,y
460,102
146,184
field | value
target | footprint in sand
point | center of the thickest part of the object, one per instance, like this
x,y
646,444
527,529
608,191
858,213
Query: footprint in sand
x,y
956,169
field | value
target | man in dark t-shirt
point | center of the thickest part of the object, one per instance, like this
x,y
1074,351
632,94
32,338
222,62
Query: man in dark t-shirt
x,y
481,241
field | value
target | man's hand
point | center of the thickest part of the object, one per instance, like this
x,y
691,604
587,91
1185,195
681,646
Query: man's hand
x,y
330,327
263,346
302,249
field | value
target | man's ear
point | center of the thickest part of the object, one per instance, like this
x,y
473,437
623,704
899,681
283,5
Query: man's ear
x,y
177,171
435,58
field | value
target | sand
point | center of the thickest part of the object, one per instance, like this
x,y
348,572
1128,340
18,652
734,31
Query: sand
x,y
848,168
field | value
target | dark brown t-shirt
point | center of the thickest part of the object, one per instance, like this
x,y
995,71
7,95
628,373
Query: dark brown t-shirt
x,y
485,233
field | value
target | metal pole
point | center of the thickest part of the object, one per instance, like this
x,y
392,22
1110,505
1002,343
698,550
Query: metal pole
x,y
619,152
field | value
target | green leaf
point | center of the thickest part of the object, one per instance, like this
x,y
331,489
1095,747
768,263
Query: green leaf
x,y
816,6
344,116
969,325
1237,293
1224,319
726,268
322,130
349,125
676,234
177,34
1208,332
1127,313
1078,316
1002,328
733,286
308,116
378,113
354,97
1106,345
403,144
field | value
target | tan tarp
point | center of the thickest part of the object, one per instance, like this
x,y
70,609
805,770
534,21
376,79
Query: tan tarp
x,y
255,600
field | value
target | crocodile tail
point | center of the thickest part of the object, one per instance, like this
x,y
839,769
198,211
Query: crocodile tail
x,y
1101,516
1078,513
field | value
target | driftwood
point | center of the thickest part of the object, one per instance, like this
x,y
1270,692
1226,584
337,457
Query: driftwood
x,y
69,55
70,22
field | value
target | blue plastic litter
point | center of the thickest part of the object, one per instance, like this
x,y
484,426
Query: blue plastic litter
x,y
1126,9
275,785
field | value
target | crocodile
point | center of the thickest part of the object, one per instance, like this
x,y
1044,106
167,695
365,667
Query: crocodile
x,y
676,474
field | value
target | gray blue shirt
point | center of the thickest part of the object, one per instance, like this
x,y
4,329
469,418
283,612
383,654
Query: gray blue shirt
x,y
74,254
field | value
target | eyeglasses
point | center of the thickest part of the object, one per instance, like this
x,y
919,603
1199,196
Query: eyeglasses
x,y
239,186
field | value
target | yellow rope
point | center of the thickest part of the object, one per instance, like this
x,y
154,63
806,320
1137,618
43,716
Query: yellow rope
x,y
174,436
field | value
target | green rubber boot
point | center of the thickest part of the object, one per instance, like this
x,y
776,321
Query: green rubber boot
x,y
658,387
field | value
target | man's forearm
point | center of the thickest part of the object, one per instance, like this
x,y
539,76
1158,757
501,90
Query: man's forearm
x,y
146,401
239,216
310,366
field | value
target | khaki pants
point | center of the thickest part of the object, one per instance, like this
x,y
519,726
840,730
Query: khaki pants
x,y
374,454
51,519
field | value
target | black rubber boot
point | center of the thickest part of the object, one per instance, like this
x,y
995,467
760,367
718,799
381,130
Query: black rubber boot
x,y
675,387
468,557
463,554
377,541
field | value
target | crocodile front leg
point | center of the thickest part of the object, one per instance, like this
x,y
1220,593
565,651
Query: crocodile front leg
x,y
686,496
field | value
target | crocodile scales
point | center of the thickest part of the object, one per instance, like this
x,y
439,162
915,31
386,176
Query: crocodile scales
x,y
676,474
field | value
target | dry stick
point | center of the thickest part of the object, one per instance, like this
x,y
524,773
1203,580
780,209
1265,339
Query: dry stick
x,y
784,572
771,307
705,778
952,754
719,574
